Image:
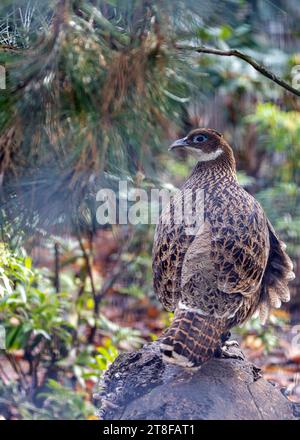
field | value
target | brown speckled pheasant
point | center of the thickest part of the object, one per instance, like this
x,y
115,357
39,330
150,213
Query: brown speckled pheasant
x,y
220,276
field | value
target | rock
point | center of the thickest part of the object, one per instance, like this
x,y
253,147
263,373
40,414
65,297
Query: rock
x,y
139,386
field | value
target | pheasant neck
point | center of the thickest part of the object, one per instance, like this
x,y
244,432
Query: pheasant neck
x,y
219,170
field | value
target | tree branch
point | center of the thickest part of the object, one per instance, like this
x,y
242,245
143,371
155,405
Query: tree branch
x,y
236,53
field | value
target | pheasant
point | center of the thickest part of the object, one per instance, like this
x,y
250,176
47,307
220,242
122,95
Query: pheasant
x,y
232,267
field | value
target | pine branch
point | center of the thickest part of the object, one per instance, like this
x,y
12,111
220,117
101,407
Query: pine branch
x,y
9,48
236,53
107,27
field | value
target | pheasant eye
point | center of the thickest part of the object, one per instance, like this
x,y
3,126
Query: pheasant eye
x,y
199,138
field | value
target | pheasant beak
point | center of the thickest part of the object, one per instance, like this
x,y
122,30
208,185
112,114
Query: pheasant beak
x,y
180,143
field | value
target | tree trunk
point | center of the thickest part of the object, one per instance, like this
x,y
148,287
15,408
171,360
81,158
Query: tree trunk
x,y
139,386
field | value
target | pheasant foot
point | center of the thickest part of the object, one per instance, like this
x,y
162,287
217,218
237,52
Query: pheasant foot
x,y
229,350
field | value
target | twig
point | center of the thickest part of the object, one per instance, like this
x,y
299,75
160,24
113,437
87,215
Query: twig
x,y
88,266
18,370
56,268
8,48
86,257
105,25
4,376
47,49
108,282
236,53
107,285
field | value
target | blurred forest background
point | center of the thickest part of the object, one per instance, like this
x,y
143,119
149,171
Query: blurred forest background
x,y
95,91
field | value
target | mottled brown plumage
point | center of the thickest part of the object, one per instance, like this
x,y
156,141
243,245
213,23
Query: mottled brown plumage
x,y
233,266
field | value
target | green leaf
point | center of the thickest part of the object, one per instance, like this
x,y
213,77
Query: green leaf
x,y
28,262
12,336
42,333
7,284
225,32
22,292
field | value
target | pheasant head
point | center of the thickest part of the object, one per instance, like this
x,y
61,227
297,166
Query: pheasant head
x,y
207,146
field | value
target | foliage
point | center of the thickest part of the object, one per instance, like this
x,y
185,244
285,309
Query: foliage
x,y
46,347
59,403
280,132
73,106
261,335
81,74
281,203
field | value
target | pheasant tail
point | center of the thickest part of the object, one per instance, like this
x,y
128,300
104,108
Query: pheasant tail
x,y
278,274
191,339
